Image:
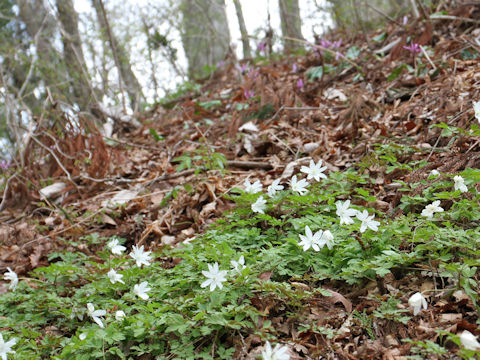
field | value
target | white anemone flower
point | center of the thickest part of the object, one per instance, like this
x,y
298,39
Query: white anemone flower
x,y
96,314
239,265
469,341
279,352
299,186
345,213
434,172
141,290
115,247
459,184
314,171
416,302
114,277
274,187
367,221
214,276
119,315
310,240
12,277
327,239
252,188
6,347
259,206
432,208
476,108
140,256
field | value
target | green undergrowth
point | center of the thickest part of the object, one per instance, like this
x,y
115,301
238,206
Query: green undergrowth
x,y
47,313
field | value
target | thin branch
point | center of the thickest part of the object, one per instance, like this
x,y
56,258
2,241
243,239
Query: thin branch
x,y
451,17
3,204
115,56
382,13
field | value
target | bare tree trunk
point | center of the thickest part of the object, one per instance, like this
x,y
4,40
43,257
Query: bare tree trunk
x,y
73,54
291,22
205,35
41,26
128,77
247,52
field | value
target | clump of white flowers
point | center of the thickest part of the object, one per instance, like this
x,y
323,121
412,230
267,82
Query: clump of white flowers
x,y
459,184
279,352
254,188
432,209
476,108
12,277
416,302
316,241
469,341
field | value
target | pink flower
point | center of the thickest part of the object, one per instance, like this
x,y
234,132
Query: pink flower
x,y
413,48
261,46
248,94
300,84
4,164
243,68
294,67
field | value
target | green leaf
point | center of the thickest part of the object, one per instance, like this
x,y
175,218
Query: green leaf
x,y
396,72
155,135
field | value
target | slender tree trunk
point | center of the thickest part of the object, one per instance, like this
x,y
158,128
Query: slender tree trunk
x,y
73,54
247,52
291,22
41,26
205,35
128,77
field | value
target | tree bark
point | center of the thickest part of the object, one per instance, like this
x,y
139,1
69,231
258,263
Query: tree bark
x,y
41,27
73,54
127,75
291,23
205,35
247,51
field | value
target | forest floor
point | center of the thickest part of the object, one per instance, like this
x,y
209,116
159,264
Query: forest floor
x,y
388,114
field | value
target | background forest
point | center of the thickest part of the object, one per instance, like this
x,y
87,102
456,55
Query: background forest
x,y
107,59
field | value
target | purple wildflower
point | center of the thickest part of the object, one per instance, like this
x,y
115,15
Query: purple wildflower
x,y
405,20
294,67
220,64
325,43
261,46
253,73
248,94
243,68
4,164
338,55
334,45
413,48
300,84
